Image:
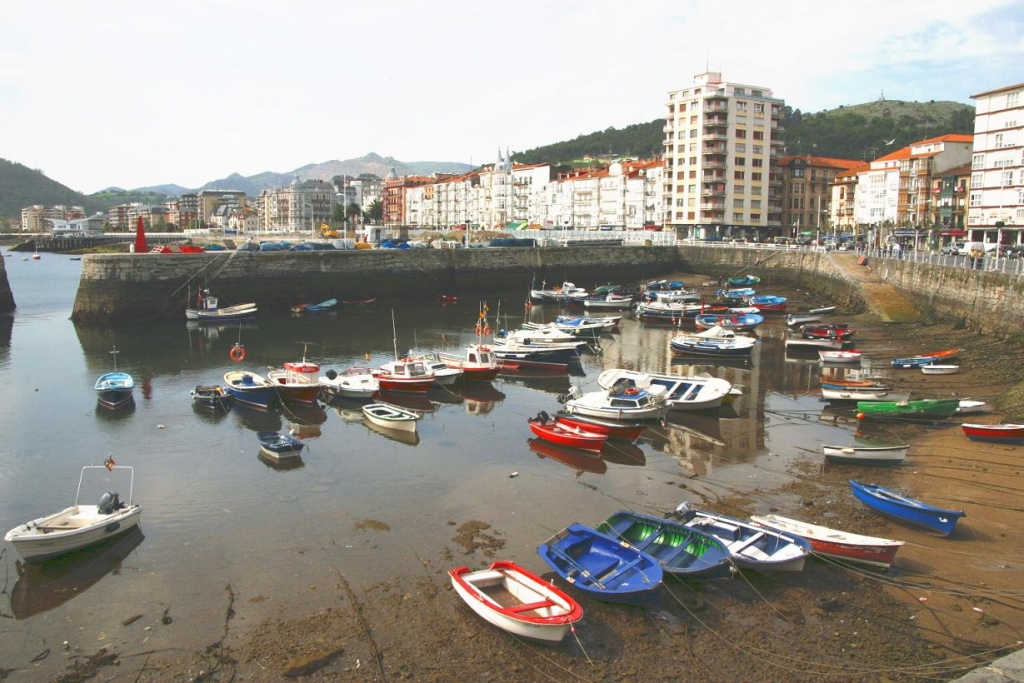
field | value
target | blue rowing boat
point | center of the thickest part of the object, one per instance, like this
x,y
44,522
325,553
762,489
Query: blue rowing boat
x,y
906,510
681,551
602,566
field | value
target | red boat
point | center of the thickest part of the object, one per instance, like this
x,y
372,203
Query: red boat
x,y
841,545
566,435
618,431
405,375
831,331
299,381
477,362
997,433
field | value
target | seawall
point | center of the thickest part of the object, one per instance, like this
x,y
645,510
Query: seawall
x,y
7,304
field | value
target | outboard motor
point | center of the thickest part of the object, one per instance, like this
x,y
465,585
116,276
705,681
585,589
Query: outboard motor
x,y
109,502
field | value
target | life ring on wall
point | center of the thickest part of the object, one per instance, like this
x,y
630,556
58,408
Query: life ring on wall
x,y
631,391
237,353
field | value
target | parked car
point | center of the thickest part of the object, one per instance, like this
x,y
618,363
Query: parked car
x,y
954,248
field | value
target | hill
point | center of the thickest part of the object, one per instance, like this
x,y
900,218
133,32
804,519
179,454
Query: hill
x,y
862,131
21,186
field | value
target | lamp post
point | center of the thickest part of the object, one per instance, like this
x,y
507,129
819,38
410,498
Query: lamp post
x,y
999,217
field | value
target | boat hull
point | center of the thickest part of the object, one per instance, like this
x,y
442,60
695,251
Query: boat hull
x,y
865,455
906,510
567,435
837,544
620,431
390,417
256,391
680,550
994,433
34,544
752,547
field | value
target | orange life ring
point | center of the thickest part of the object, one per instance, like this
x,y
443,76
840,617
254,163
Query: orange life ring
x,y
632,391
479,328
237,353
487,330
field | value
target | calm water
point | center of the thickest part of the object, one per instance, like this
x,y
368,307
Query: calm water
x,y
216,515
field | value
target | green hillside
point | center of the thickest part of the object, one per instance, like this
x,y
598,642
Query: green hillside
x,y
21,186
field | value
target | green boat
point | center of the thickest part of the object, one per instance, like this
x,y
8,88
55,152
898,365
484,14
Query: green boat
x,y
744,281
924,409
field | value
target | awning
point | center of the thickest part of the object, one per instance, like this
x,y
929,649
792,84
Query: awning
x,y
515,225
954,233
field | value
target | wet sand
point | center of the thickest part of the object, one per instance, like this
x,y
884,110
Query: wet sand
x,y
947,606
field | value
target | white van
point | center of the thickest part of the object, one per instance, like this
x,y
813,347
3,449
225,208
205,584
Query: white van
x,y
984,247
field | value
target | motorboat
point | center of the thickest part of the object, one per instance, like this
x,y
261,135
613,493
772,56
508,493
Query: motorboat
x,y
114,389
211,396
355,381
298,381
208,309
405,375
699,392
566,434
631,403
477,362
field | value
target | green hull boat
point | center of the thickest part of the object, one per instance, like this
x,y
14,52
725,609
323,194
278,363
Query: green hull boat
x,y
924,409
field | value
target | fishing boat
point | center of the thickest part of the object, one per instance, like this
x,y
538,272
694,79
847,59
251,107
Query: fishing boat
x,y
579,460
444,374
681,551
814,343
743,321
208,309
751,546
516,601
355,381
841,331
602,566
907,510
834,543
298,381
565,293
674,295
251,389
865,455
114,389
546,336
608,323
995,433
565,434
278,446
514,356
667,311
925,358
863,394
923,409
80,525
614,429
936,369
630,403
714,341
390,416
580,329
832,356
698,392
477,362
405,375
609,302
211,396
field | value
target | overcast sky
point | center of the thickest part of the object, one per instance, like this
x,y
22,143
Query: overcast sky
x,y
131,93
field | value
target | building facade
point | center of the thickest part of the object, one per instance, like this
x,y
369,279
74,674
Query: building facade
x,y
807,193
996,202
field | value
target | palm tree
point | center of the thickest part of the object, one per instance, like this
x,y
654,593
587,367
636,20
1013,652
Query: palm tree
x,y
375,212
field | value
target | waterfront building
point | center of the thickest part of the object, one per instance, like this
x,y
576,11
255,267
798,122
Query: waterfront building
x,y
38,218
806,191
996,206
722,142
529,183
300,207
843,191
949,205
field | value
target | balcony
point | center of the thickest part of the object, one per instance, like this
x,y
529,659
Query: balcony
x,y
717,190
715,107
714,163
715,136
719,148
716,121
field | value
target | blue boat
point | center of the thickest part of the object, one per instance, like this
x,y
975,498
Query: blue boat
x,y
738,321
680,550
766,300
321,307
114,389
278,446
602,566
250,388
906,510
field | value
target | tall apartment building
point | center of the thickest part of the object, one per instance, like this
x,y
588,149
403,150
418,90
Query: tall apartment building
x,y
996,207
300,207
721,143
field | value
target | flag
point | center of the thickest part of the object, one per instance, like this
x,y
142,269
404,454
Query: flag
x,y
109,462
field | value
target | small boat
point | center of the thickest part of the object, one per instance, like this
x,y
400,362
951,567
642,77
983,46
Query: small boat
x,y
768,303
629,404
815,343
391,417
444,375
802,318
743,280
514,600
208,309
865,455
477,362
681,551
114,389
822,310
278,446
751,546
250,388
80,525
858,384
608,322
925,358
616,431
996,433
905,509
566,435
36,257
353,382
744,321
298,381
841,331
698,392
714,341
299,308
573,458
936,369
405,375
602,566
831,356
211,396
968,407
366,301
863,394
923,409
609,302
840,545
668,311
322,307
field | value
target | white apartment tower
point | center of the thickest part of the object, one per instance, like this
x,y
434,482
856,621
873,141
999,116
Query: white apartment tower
x,y
722,141
996,207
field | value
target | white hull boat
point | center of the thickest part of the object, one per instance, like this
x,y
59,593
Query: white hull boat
x,y
78,526
701,392
968,407
751,546
940,369
865,455
829,356
835,543
388,416
855,394
353,382
799,343
629,404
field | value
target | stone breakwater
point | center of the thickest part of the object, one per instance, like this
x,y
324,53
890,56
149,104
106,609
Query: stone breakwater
x,y
7,304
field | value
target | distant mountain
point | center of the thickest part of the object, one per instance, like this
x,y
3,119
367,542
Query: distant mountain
x,y
21,186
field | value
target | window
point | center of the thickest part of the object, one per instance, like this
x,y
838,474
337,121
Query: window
x,y
759,135
737,217
798,172
741,148
755,217
756,162
758,106
741,120
740,189
976,179
739,91
999,140
691,189
975,199
693,132
693,119
1012,99
758,149
756,189
737,203
741,106
977,162
740,161
693,160
755,176
738,175
755,203
1006,178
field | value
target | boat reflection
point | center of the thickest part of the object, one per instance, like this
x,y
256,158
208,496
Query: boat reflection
x,y
282,465
743,362
418,403
214,415
402,437
310,414
349,409
622,453
549,382
256,419
480,397
41,586
581,461
121,412
444,395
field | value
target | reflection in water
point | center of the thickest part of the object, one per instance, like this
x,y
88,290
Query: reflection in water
x,y
310,414
581,461
403,437
255,419
480,397
121,412
622,453
550,382
415,402
282,465
211,414
44,585
350,409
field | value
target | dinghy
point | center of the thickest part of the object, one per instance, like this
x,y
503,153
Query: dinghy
x,y
681,551
905,509
840,545
865,455
752,547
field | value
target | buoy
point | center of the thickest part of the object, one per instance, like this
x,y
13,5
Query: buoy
x,y
860,416
237,353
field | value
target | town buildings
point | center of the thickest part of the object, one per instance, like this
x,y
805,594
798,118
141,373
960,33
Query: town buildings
x,y
807,182
996,205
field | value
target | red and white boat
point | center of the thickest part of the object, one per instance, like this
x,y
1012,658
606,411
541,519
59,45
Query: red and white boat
x,y
477,362
566,435
841,331
851,356
616,431
299,382
517,601
842,545
413,376
998,433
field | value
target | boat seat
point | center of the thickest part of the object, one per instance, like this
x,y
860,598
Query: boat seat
x,y
745,545
599,566
529,606
621,570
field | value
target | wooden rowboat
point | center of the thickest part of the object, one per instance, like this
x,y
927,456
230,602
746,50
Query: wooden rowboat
x,y
517,601
841,545
997,433
681,551
616,430
905,509
829,356
278,446
751,546
940,369
391,417
565,434
863,394
865,455
925,358
924,409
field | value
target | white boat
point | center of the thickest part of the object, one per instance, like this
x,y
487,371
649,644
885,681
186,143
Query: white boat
x,y
794,319
672,295
863,394
841,545
391,417
611,302
714,341
830,356
667,310
940,369
208,309
629,404
114,389
751,546
548,337
444,374
517,601
801,343
352,382
968,407
700,392
865,455
80,525
477,362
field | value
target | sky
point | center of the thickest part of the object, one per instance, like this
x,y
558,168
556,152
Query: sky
x,y
132,94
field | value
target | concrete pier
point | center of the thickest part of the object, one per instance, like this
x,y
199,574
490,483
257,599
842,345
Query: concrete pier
x,y
7,304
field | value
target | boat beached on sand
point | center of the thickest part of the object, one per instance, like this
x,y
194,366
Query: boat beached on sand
x,y
834,543
923,409
865,455
925,358
905,509
995,433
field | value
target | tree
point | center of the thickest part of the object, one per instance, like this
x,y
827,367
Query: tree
x,y
376,212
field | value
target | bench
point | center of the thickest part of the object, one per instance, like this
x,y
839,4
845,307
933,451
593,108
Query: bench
x,y
530,606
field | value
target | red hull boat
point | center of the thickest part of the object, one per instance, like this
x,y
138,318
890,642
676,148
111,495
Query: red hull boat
x,y
618,431
841,545
998,433
834,331
412,376
566,435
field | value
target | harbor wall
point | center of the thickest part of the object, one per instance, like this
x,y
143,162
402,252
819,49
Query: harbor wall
x,y
7,304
